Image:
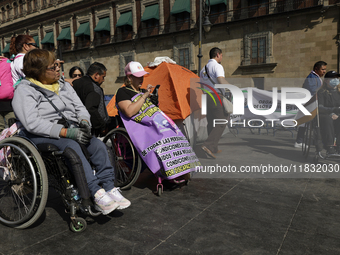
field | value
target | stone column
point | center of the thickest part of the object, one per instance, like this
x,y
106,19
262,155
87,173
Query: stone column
x,y
91,27
54,30
134,20
112,29
72,33
172,17
193,14
230,9
39,36
161,17
272,7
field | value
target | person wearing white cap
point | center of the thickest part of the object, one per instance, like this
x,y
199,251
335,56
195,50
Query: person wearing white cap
x,y
329,112
134,72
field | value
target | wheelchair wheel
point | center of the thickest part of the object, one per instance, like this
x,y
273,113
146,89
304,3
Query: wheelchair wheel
x,y
23,183
307,140
127,161
79,226
159,191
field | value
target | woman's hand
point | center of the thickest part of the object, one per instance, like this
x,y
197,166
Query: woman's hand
x,y
130,109
148,88
85,124
80,135
334,116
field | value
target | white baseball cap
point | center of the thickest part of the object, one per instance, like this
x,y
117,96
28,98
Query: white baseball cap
x,y
135,68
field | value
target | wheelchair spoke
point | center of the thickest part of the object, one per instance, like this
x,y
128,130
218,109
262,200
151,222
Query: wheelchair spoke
x,y
127,162
20,194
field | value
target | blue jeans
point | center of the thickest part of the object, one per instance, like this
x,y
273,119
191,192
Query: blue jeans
x,y
104,177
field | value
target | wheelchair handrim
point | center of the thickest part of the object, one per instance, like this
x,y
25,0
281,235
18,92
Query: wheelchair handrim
x,y
29,210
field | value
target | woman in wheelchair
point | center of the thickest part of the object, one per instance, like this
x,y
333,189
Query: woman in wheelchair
x,y
51,112
160,143
133,82
329,111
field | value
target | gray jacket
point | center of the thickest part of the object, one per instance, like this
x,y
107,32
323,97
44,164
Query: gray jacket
x,y
38,116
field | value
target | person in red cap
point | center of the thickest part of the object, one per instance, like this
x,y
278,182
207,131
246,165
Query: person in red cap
x,y
329,112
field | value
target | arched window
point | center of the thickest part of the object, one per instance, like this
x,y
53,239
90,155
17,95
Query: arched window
x,y
3,14
21,8
8,12
29,6
15,9
35,5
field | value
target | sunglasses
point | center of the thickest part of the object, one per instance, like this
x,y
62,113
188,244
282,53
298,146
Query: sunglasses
x,y
33,44
76,75
55,66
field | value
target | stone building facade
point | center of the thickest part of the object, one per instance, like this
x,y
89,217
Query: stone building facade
x,y
261,40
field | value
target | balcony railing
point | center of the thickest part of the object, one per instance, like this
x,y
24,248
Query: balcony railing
x,y
123,36
264,9
149,31
48,46
219,17
177,26
65,45
182,25
100,40
83,44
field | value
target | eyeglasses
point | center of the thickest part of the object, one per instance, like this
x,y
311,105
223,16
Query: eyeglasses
x,y
33,44
55,66
77,75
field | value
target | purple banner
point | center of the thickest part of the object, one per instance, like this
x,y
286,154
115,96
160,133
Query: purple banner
x,y
159,142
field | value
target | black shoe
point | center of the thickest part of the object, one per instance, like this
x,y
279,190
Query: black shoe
x,y
337,148
331,150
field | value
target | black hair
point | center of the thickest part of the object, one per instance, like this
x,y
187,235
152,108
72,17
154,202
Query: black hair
x,y
74,69
319,64
96,67
214,51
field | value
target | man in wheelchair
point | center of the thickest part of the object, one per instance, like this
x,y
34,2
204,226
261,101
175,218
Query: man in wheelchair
x,y
329,112
51,112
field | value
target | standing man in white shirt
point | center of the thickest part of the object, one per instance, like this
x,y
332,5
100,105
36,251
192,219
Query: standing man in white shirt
x,y
215,71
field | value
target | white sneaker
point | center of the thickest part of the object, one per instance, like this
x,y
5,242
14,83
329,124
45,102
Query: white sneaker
x,y
118,198
298,145
104,203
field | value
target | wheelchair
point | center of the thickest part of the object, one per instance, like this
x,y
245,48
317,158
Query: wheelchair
x,y
312,137
126,160
26,173
28,170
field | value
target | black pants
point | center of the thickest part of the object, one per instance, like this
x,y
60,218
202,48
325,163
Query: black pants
x,y
330,129
301,134
214,133
111,124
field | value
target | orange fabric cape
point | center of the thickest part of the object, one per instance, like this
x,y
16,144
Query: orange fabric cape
x,y
174,92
